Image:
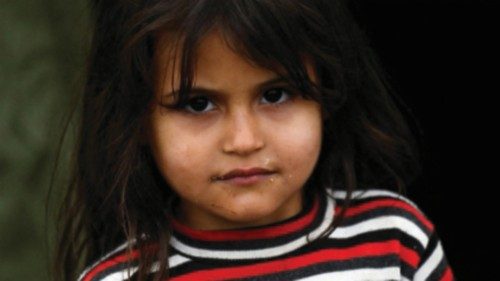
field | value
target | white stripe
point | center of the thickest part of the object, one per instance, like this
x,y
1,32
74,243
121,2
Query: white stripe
x,y
430,264
404,279
261,253
173,261
120,275
381,223
177,260
369,193
116,250
372,274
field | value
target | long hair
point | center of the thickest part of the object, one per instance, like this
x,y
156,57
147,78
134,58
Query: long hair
x,y
116,193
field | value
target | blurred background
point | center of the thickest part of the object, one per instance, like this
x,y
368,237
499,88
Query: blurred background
x,y
437,54
42,47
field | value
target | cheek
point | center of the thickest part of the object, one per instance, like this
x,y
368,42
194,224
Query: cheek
x,y
177,155
298,144
180,169
303,132
306,136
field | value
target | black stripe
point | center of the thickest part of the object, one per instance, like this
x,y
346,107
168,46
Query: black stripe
x,y
379,262
206,264
407,270
366,237
356,201
439,271
332,266
431,246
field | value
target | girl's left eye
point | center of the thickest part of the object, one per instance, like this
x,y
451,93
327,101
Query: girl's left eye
x,y
276,96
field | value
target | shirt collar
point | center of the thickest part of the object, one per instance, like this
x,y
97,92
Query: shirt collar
x,y
256,242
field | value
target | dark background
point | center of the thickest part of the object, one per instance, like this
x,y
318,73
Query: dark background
x,y
438,54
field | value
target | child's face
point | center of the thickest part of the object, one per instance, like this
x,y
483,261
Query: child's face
x,y
242,149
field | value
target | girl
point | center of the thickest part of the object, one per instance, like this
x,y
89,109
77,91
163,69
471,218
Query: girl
x,y
240,139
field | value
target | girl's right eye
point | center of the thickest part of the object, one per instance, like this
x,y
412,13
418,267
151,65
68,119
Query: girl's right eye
x,y
199,104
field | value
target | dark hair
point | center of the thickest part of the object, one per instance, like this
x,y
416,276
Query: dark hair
x,y
116,193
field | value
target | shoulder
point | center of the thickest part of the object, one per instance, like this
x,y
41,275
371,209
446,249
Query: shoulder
x,y
391,223
380,210
114,266
384,208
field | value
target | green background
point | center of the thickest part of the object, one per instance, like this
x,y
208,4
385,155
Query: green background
x,y
42,50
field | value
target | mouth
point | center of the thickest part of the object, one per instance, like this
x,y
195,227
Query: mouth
x,y
244,176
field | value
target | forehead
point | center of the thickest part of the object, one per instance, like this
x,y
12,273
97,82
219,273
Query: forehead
x,y
213,56
211,50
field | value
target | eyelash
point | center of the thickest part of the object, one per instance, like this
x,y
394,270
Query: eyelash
x,y
288,93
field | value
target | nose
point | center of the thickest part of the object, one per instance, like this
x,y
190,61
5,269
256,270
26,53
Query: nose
x,y
243,134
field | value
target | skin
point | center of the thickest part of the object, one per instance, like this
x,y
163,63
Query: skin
x,y
240,128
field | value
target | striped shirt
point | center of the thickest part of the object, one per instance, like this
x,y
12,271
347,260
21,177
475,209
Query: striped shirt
x,y
384,236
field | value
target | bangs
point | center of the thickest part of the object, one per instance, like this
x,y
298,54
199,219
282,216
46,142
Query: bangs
x,y
271,34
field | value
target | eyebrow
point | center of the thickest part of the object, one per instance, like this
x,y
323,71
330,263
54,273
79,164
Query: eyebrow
x,y
213,92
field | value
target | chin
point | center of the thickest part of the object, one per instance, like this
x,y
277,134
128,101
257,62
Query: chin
x,y
254,215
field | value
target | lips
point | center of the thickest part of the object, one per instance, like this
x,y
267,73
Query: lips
x,y
244,174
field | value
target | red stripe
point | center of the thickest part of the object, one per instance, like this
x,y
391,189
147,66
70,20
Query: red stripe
x,y
250,234
409,256
448,275
361,251
356,210
110,263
